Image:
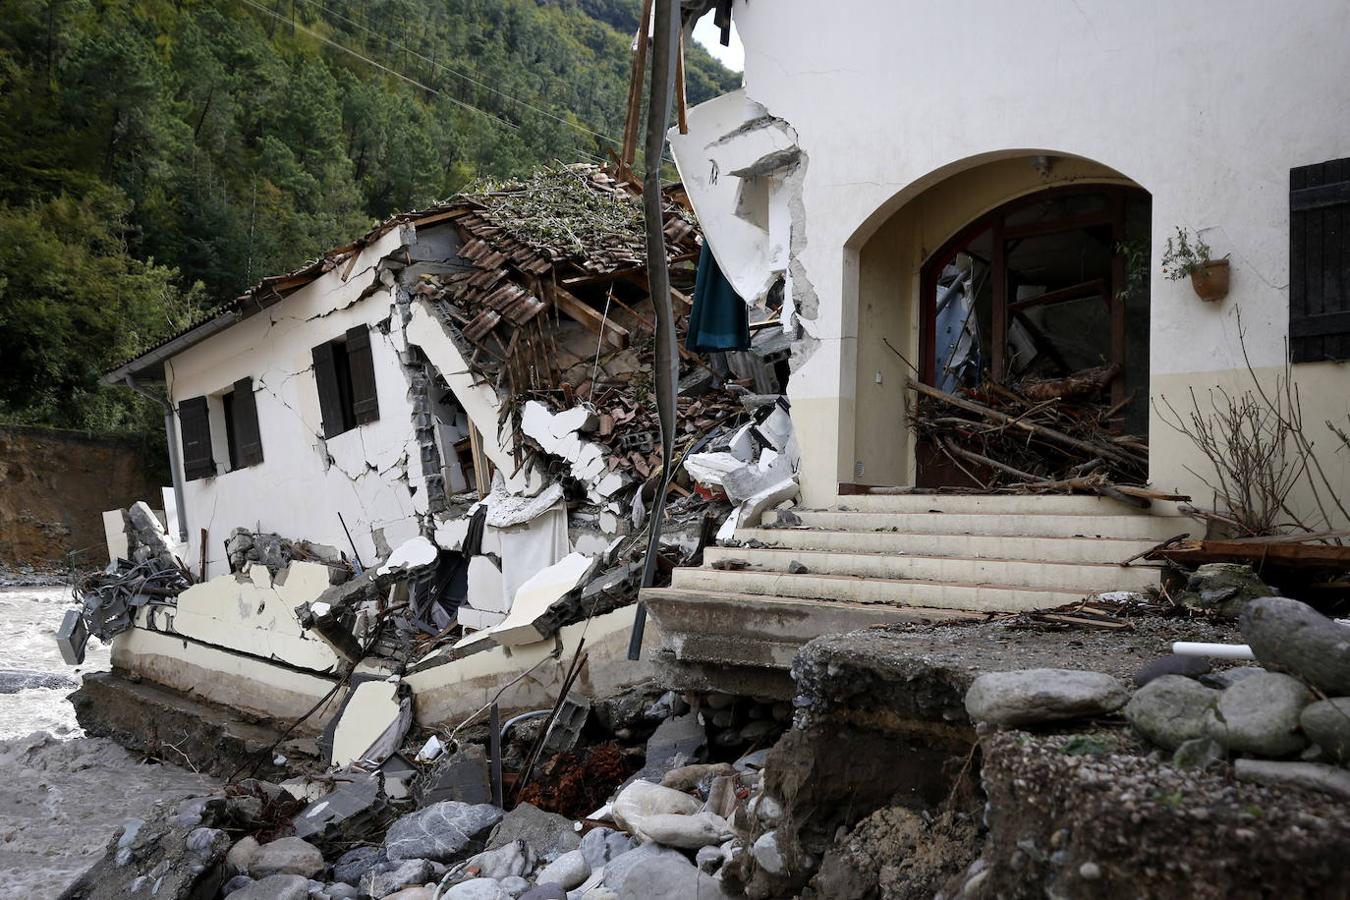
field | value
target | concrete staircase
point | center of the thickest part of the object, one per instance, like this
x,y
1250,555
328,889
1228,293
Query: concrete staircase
x,y
877,559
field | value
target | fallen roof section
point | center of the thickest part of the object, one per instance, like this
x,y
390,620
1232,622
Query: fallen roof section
x,y
577,215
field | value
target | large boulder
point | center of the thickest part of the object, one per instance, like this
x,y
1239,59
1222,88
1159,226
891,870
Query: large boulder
x,y
548,834
477,889
515,858
617,870
176,853
568,870
1327,724
286,856
275,887
1293,637
686,832
600,845
1170,710
1032,696
385,880
1259,715
356,862
668,878
1225,588
441,832
1331,780
642,798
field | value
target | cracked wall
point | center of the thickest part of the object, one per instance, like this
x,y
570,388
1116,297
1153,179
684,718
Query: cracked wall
x,y
373,475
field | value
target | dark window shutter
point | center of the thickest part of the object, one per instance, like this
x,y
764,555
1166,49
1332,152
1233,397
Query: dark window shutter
x,y
1319,262
330,400
194,422
365,406
246,434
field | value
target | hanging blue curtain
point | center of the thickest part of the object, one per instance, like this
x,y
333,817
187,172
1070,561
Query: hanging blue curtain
x,y
720,320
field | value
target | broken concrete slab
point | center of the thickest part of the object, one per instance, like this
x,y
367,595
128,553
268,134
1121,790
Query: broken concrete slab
x,y
449,535
351,813
479,619
746,481
371,724
486,590
749,512
254,613
461,775
508,510
712,469
410,556
532,603
570,421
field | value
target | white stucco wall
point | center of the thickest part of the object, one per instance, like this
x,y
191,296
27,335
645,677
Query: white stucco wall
x,y
1207,105
296,491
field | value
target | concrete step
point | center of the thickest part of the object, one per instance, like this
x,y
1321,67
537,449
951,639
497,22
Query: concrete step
x,y
1003,504
711,626
1155,528
895,592
1070,576
1084,550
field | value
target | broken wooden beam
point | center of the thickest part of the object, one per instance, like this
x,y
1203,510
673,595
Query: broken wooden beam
x,y
578,310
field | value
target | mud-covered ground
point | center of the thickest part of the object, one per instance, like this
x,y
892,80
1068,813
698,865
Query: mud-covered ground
x,y
62,795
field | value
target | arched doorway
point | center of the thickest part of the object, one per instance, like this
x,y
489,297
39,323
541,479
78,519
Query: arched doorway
x,y
1071,231
1040,289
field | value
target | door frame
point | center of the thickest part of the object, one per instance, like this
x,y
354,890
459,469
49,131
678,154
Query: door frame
x,y
995,220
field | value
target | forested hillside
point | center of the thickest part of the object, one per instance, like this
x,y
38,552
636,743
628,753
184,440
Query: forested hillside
x,y
156,157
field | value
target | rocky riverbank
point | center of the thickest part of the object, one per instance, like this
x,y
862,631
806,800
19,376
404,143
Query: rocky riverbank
x,y
997,759
64,794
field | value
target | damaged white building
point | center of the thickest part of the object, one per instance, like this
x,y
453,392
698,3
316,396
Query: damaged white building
x,y
449,420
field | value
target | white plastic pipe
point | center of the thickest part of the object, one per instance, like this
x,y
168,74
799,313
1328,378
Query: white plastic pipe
x,y
1217,651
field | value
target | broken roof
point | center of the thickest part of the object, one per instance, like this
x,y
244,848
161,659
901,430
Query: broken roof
x,y
575,214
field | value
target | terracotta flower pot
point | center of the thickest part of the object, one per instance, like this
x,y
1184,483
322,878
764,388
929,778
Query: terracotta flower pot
x,y
1211,280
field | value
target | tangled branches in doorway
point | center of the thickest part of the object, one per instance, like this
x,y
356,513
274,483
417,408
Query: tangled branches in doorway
x,y
1003,440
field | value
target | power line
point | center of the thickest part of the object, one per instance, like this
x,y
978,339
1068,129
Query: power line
x,y
397,74
453,71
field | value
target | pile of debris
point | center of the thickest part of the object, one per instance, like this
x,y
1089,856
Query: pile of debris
x,y
450,815
110,599
549,284
1042,440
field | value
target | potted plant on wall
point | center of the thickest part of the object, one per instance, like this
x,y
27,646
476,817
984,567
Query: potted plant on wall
x,y
1189,255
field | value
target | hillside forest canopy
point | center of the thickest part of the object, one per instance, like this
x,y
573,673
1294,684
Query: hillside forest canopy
x,y
158,157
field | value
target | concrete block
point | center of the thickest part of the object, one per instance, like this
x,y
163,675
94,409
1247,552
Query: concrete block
x,y
533,600
115,533
478,619
487,592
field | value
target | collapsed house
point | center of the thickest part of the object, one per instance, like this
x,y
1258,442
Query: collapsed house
x,y
430,454
975,366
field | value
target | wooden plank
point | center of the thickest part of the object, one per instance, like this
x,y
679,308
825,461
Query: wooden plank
x,y
681,102
636,78
1328,555
614,334
480,463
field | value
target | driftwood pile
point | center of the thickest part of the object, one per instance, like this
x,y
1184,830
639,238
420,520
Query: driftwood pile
x,y
1002,439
